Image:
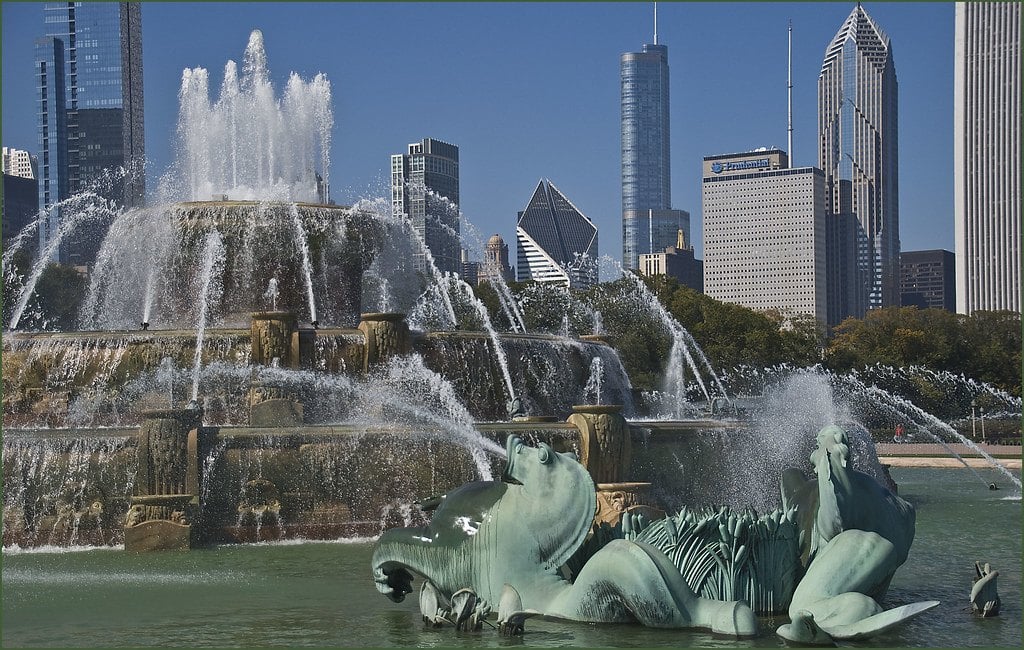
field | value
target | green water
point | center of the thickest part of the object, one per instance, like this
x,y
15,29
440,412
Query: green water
x,y
321,594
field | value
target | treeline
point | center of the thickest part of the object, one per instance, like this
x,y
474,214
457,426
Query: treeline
x,y
985,346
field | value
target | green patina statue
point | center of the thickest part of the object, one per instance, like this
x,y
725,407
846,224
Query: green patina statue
x,y
825,557
855,533
506,541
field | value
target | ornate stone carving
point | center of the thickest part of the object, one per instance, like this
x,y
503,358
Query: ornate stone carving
x,y
271,335
386,335
605,447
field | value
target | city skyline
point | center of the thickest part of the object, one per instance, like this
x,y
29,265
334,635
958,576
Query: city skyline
x,y
540,98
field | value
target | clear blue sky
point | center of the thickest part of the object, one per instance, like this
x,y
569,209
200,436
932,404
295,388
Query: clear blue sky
x,y
531,90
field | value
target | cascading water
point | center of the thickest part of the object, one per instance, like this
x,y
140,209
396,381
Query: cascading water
x,y
84,208
209,278
249,146
307,271
593,387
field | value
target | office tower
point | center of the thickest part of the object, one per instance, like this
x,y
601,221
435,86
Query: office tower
x,y
18,163
555,241
649,224
857,150
986,155
90,107
764,233
676,261
425,190
928,279
495,264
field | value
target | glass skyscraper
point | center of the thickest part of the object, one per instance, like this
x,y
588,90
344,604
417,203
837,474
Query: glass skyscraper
x,y
857,112
986,155
555,242
649,223
90,106
425,190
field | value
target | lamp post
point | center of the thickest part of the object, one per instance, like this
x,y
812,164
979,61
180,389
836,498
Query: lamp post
x,y
974,431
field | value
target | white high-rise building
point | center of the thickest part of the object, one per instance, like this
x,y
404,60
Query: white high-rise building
x,y
18,163
986,154
764,233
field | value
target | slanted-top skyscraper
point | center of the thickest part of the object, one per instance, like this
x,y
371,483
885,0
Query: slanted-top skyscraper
x,y
986,155
89,102
425,189
857,150
649,224
555,242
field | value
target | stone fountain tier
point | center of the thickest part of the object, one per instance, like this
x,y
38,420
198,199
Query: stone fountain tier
x,y
104,378
312,482
262,241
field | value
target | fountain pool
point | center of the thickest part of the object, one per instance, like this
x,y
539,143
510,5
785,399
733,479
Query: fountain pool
x,y
320,593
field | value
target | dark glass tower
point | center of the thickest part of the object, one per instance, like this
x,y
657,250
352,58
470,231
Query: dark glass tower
x,y
96,48
857,113
648,222
555,241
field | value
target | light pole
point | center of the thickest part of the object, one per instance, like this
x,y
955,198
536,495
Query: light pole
x,y
974,431
982,409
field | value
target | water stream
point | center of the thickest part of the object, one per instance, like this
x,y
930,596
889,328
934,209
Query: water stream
x,y
212,266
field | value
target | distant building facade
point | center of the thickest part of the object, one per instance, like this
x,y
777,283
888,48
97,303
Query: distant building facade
x,y
928,279
20,207
986,155
18,163
425,190
495,264
649,224
765,233
89,100
675,261
555,241
469,270
857,150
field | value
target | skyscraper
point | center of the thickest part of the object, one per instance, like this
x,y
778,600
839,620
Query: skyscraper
x,y
764,233
425,190
986,155
857,150
649,224
90,106
555,241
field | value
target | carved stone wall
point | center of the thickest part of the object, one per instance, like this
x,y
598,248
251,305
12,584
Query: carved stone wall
x,y
272,337
387,335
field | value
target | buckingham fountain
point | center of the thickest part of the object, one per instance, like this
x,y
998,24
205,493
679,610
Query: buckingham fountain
x,y
257,363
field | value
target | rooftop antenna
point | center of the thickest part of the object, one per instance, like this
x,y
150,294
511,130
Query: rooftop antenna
x,y
655,23
790,93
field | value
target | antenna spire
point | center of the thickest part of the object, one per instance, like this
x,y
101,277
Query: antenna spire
x,y
655,23
790,93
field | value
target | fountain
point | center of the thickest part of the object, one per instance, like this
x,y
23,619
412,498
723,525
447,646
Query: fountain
x,y
227,385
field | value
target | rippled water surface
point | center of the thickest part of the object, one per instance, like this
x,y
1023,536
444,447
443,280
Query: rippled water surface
x,y
321,594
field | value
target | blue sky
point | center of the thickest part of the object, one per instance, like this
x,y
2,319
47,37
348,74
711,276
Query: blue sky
x,y
531,90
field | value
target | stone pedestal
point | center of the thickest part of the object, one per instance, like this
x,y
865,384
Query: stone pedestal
x,y
273,406
386,335
166,499
272,338
605,446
